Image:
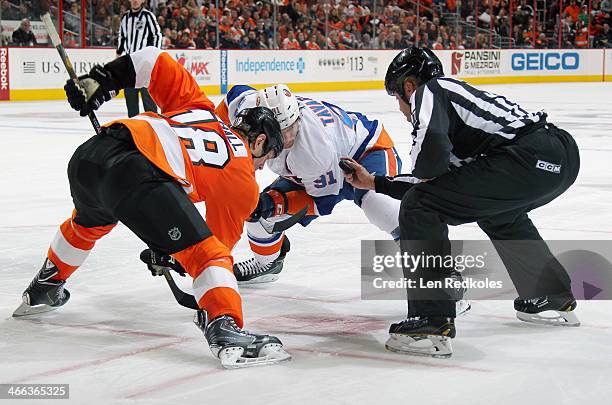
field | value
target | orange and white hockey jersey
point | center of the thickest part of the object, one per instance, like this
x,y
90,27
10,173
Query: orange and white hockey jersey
x,y
188,142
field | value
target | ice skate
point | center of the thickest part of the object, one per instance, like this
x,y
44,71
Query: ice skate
x,y
422,336
43,294
463,307
556,310
237,348
252,272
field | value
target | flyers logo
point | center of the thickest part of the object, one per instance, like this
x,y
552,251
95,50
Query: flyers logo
x,y
456,63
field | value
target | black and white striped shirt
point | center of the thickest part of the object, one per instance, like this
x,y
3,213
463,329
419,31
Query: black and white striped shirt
x,y
453,122
138,30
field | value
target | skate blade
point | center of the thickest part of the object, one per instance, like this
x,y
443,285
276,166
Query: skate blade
x,y
267,278
463,307
426,346
553,318
231,357
27,310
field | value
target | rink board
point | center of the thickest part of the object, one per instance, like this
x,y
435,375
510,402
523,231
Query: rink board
x,y
37,73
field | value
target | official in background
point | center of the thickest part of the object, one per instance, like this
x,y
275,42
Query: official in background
x,y
476,157
138,29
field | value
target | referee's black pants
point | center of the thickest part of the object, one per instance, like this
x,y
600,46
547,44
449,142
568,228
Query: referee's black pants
x,y
131,99
496,191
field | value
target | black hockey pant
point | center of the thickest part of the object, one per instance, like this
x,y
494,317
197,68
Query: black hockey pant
x,y
497,192
111,181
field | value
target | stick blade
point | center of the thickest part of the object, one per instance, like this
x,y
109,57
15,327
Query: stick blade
x,y
281,226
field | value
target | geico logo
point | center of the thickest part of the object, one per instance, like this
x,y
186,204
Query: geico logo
x,y
545,61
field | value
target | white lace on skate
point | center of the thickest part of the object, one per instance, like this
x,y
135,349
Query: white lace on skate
x,y
420,345
554,318
253,272
251,267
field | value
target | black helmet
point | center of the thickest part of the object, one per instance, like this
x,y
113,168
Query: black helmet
x,y
420,63
260,120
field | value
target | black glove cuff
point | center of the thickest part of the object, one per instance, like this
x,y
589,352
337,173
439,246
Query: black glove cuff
x,y
122,72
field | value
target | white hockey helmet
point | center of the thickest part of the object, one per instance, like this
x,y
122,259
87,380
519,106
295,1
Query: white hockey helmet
x,y
282,102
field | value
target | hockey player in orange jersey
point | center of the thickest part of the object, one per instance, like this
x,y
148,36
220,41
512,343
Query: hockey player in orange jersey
x,y
147,172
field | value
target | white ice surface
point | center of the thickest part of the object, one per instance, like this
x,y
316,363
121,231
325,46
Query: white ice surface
x,y
123,340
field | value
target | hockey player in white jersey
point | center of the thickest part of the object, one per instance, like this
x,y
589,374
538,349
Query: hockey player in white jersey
x,y
317,134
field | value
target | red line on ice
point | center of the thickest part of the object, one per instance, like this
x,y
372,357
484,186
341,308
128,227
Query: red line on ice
x,y
96,326
391,360
79,366
170,383
311,299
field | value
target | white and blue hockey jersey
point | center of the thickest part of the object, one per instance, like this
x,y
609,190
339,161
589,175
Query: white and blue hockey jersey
x,y
326,133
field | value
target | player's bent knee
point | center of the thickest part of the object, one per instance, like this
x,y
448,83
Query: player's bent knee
x,y
196,258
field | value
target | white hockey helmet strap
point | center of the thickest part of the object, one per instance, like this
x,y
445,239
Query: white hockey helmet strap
x,y
282,102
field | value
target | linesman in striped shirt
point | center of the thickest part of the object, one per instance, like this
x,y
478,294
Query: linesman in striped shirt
x,y
138,29
476,157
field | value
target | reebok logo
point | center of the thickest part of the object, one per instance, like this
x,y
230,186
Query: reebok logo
x,y
4,74
549,167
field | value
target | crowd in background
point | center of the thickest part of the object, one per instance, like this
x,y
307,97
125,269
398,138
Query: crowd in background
x,y
345,24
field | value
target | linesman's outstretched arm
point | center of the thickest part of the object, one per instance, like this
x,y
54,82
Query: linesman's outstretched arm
x,y
394,187
170,85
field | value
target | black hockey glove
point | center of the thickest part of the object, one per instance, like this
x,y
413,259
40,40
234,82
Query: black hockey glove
x,y
157,262
265,208
96,88
271,203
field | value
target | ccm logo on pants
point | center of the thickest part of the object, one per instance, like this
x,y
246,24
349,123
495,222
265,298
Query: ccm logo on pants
x,y
549,167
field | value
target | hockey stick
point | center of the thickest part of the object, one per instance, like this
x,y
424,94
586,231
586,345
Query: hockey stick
x,y
281,226
184,299
188,301
57,43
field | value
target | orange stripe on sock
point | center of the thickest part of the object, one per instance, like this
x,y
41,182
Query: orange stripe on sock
x,y
267,250
222,301
79,237
73,238
82,237
65,270
195,258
